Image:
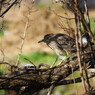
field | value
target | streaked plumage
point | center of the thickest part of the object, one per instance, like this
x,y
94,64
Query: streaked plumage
x,y
61,44
65,46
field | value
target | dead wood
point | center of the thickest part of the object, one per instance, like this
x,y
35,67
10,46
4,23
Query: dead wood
x,y
34,79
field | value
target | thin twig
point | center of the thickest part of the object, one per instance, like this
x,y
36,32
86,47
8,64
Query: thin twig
x,y
23,39
51,89
3,55
86,12
7,9
30,62
60,15
77,21
78,54
75,86
12,66
85,70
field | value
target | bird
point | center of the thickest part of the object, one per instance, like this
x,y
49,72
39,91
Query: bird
x,y
63,45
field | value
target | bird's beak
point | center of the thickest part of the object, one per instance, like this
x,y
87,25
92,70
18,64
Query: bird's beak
x,y
41,41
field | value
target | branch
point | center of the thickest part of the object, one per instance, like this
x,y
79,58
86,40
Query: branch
x,y
7,9
77,80
35,79
59,15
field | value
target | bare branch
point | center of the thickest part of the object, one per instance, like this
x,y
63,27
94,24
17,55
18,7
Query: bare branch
x,y
7,9
37,79
60,15
77,80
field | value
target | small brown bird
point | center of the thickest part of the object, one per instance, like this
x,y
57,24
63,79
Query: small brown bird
x,y
63,45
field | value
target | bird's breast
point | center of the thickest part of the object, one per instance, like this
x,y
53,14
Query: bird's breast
x,y
55,48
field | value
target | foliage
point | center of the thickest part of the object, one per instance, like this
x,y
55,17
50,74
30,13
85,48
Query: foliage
x,y
92,22
39,57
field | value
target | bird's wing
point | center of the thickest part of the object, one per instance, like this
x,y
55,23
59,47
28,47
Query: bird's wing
x,y
65,42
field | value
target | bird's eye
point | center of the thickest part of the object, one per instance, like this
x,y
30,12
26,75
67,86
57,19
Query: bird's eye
x,y
47,36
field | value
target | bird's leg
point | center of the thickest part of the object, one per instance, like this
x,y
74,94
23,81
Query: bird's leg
x,y
64,58
54,62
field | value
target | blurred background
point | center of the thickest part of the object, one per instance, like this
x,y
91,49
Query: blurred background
x,y
45,17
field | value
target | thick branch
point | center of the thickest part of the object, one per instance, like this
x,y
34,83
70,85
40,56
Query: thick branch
x,y
77,80
35,79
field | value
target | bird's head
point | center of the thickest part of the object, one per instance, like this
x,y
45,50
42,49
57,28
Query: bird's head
x,y
47,38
